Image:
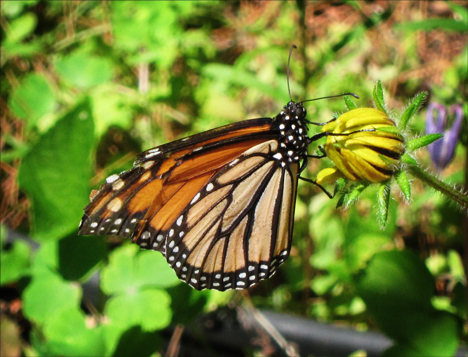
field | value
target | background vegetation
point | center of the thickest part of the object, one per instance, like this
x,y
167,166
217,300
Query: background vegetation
x,y
86,85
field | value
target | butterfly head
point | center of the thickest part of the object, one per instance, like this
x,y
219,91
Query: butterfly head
x,y
297,109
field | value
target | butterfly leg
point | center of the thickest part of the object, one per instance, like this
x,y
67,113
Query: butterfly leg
x,y
320,124
320,186
322,155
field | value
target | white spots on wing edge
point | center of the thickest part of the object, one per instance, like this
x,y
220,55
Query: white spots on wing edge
x,y
112,178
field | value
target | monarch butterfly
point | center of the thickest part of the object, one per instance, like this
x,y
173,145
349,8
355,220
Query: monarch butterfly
x,y
218,205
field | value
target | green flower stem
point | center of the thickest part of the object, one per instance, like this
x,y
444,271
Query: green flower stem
x,y
434,182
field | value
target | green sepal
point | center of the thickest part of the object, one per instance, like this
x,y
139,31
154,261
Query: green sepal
x,y
378,96
407,159
353,194
389,129
404,184
349,103
383,199
340,202
417,143
340,184
411,110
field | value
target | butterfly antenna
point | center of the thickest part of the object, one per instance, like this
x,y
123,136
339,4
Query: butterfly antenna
x,y
289,61
331,96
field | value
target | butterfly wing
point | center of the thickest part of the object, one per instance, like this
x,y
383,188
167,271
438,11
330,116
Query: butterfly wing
x,y
237,229
166,177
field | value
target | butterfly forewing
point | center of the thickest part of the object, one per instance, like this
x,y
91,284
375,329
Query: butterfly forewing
x,y
163,179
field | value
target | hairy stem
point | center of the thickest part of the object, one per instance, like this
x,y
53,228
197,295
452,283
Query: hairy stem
x,y
455,195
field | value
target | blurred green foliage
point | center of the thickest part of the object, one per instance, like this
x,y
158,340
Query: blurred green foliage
x,y
87,85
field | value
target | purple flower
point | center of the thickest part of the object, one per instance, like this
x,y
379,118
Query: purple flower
x,y
442,150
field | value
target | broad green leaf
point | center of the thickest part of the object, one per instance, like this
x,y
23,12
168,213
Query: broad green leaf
x,y
147,31
84,70
425,140
46,259
130,269
431,334
244,79
13,8
14,262
48,295
56,174
110,107
133,341
79,255
32,99
24,49
460,10
67,335
379,97
390,273
397,289
360,245
412,109
21,27
119,276
149,308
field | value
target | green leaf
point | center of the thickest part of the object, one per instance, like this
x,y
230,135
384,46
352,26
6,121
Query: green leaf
x,y
32,99
67,335
404,184
434,23
378,96
417,143
84,70
383,199
397,288
132,342
244,79
459,10
349,103
14,261
388,274
21,27
56,174
111,107
79,255
49,295
432,334
130,269
13,8
412,109
149,308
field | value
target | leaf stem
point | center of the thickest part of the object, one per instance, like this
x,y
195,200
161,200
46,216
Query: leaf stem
x,y
430,180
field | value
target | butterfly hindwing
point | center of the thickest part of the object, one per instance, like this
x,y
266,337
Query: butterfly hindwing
x,y
237,229
140,203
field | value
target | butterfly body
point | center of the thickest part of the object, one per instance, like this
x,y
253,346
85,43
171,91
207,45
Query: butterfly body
x,y
219,205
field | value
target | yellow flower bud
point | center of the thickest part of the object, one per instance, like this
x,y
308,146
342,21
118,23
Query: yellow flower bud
x,y
366,150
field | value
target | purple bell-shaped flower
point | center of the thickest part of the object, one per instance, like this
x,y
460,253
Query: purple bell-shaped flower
x,y
442,150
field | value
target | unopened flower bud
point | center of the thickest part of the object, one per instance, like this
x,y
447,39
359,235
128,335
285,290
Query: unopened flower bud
x,y
364,145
